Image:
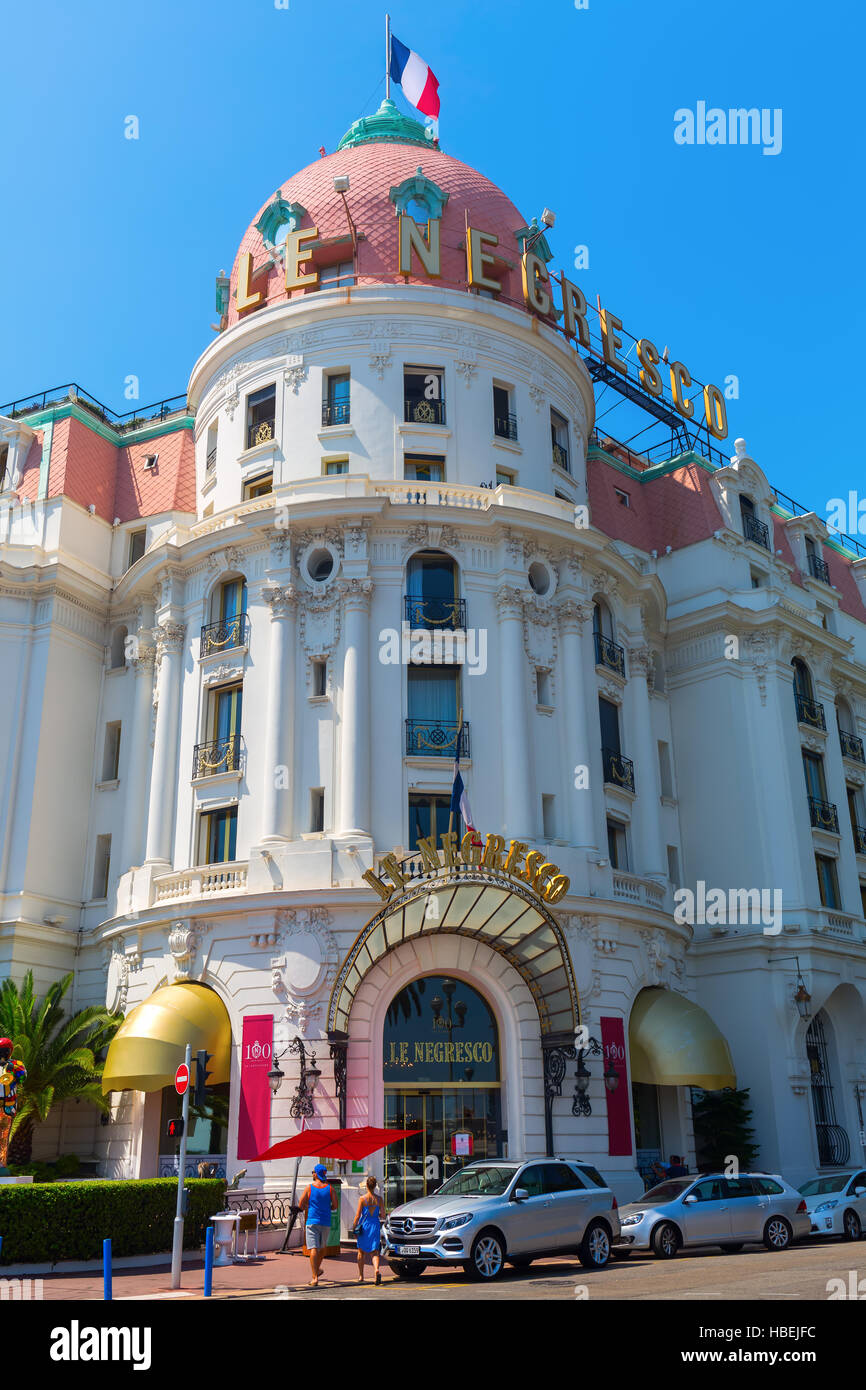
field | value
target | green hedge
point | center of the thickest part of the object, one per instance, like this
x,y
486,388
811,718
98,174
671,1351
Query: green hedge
x,y
44,1222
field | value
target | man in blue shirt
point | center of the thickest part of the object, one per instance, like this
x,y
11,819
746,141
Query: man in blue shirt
x,y
319,1200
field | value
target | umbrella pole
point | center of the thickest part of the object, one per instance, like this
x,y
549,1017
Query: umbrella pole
x,y
293,1210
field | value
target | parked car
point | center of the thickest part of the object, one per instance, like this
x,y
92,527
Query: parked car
x,y
836,1203
711,1209
496,1210
405,1179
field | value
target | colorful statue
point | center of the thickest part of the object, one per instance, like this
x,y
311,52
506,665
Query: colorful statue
x,y
12,1073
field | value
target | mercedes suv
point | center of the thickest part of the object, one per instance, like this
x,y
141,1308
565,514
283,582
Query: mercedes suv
x,y
500,1210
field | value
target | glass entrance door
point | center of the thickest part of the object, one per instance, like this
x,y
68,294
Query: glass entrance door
x,y
456,1126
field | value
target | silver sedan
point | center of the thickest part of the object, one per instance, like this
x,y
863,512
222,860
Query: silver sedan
x,y
714,1210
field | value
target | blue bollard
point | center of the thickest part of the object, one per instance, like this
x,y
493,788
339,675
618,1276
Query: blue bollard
x,y
106,1270
208,1262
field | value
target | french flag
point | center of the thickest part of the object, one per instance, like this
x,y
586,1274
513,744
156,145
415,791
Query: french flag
x,y
459,795
420,86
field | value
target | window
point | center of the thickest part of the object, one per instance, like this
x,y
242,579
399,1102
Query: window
x,y
111,753
430,814
542,687
432,599
222,750
665,779
548,816
261,414
333,467
137,543
320,678
423,470
709,1191
622,497
118,648
259,487
211,451
335,407
759,579
4,460
617,847
813,766
219,835
336,277
101,866
863,899
504,419
559,440
753,529
858,820
317,810
229,624
424,395
673,866
608,714
828,883
802,678
433,697
506,477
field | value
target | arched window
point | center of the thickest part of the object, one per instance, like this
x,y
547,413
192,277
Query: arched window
x,y
753,528
118,648
228,626
809,710
433,598
802,678
607,652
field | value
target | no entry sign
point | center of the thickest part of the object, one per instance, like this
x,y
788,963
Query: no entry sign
x,y
181,1078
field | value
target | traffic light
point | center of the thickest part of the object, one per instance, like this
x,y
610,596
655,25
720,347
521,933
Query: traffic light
x,y
201,1075
174,1128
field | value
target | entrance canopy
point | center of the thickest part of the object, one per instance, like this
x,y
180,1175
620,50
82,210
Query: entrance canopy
x,y
673,1042
149,1046
506,917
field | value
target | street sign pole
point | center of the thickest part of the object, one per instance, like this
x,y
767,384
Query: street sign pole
x,y
177,1240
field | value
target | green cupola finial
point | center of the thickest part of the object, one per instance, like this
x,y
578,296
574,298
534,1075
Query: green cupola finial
x,y
388,124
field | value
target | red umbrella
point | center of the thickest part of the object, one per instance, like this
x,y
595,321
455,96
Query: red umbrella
x,y
335,1143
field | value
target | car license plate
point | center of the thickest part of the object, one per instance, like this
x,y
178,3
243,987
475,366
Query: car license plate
x,y
409,1249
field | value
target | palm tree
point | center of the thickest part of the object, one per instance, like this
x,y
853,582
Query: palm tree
x,y
60,1054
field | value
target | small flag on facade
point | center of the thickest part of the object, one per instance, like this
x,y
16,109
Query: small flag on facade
x,y
420,86
459,795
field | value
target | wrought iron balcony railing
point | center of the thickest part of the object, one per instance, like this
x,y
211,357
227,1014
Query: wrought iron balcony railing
x,y
436,738
210,463
818,568
608,654
859,839
424,412
755,530
809,712
834,1146
260,433
336,412
435,613
505,426
618,771
560,457
823,815
852,746
227,633
221,755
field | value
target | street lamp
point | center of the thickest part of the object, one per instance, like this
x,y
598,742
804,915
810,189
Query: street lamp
x,y
801,998
310,1075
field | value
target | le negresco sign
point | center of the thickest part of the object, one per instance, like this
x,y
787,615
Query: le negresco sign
x,y
528,869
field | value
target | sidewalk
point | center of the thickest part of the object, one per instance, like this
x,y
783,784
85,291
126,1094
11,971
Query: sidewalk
x,y
291,1271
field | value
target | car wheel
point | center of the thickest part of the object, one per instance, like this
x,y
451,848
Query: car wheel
x,y
520,1261
851,1228
487,1256
404,1270
731,1249
594,1249
777,1233
666,1241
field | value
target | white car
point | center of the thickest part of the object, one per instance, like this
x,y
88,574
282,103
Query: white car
x,y
836,1203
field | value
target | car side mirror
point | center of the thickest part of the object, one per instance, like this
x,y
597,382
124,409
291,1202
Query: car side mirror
x,y
520,1194
860,1191
690,1199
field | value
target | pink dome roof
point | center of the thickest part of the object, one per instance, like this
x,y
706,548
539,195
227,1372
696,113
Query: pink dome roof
x,y
375,166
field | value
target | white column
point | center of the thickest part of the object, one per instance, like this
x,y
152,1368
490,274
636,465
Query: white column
x,y
647,838
354,788
169,640
135,804
279,730
519,812
837,792
573,700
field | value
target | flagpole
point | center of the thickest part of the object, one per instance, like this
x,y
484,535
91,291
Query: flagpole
x,y
456,752
387,56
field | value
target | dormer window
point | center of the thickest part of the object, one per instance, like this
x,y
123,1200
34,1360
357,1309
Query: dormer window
x,y
278,219
753,529
817,565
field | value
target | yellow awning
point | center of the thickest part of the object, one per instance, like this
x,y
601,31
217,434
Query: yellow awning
x,y
149,1046
673,1042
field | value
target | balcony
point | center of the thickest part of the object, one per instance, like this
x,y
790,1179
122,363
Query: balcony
x,y
608,654
260,432
227,633
560,457
834,1146
200,882
424,412
809,712
336,412
435,738
755,530
618,771
505,427
818,568
823,815
859,839
436,614
221,755
852,746
210,462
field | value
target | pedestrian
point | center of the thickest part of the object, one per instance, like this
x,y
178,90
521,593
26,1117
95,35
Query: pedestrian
x,y
658,1171
677,1168
368,1226
319,1200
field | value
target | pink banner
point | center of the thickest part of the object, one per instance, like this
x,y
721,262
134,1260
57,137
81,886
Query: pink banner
x,y
618,1101
254,1118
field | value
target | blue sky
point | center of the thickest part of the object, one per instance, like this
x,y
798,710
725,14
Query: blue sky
x,y
745,264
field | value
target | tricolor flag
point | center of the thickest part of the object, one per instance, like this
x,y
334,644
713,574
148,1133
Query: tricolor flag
x,y
410,72
459,795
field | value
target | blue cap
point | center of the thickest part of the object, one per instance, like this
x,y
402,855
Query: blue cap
x,y
320,1170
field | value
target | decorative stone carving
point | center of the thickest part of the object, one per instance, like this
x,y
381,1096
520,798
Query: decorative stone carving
x,y
169,637
319,623
509,601
759,646
572,615
222,674
655,955
640,661
466,366
540,640
281,599
182,942
536,394
380,358
229,382
295,372
264,940
310,957
356,592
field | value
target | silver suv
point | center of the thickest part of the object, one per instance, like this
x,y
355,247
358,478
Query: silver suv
x,y
497,1210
